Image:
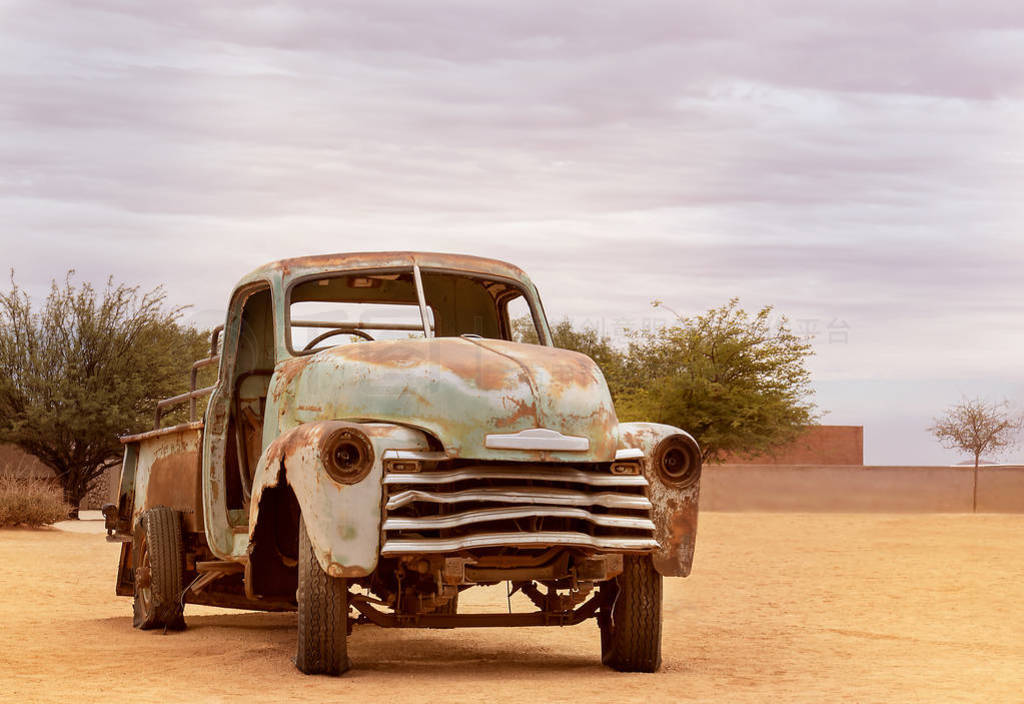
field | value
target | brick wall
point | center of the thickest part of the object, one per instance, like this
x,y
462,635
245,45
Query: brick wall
x,y
861,489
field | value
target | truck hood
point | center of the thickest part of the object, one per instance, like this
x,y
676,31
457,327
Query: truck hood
x,y
457,389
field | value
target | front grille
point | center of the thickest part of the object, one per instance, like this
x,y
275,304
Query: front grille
x,y
483,506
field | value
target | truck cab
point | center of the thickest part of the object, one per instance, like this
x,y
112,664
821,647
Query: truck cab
x,y
381,436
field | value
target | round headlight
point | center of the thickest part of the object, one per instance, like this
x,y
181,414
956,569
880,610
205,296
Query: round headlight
x,y
677,460
347,455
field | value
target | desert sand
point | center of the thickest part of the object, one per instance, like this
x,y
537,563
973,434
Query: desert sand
x,y
780,607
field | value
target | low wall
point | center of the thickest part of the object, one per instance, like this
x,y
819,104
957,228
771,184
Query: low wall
x,y
858,488
15,461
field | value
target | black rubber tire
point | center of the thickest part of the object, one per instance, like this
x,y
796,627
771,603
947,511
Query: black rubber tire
x,y
158,550
631,627
323,615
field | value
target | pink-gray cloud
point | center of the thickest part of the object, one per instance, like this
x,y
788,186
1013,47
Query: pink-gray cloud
x,y
860,164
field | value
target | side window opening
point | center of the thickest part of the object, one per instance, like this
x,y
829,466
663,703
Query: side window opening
x,y
520,321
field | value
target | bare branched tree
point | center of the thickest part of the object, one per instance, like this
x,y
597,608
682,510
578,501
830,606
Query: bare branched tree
x,y
978,427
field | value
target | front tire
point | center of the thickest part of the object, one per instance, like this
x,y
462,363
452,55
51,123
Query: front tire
x,y
631,622
158,560
323,615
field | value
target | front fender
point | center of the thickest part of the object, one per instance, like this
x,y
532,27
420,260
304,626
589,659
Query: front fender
x,y
342,520
674,509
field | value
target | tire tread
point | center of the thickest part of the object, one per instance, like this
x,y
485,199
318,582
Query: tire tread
x,y
162,526
322,615
631,631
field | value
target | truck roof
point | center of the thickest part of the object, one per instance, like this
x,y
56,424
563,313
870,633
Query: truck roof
x,y
303,266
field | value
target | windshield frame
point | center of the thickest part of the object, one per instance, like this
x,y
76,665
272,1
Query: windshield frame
x,y
525,289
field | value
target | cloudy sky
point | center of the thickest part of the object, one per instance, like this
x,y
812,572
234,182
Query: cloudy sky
x,y
860,169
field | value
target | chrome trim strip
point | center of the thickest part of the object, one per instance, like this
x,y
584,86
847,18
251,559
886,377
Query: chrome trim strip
x,y
496,514
631,453
537,439
522,495
419,455
527,473
402,546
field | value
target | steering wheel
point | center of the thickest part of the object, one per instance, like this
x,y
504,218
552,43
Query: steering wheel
x,y
331,333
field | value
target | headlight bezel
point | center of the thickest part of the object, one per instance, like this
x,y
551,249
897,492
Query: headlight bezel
x,y
347,455
677,461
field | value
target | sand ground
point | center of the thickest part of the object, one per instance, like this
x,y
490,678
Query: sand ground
x,y
780,607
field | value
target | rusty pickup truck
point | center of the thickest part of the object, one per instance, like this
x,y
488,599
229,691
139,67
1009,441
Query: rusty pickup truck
x,y
379,439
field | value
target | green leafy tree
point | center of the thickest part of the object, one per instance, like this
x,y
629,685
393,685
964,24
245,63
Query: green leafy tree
x,y
86,368
978,427
736,382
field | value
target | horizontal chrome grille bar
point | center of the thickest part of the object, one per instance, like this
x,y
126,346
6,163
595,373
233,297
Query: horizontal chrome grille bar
x,y
417,455
404,546
529,496
573,476
495,514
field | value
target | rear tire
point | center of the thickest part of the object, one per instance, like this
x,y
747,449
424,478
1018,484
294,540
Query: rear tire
x,y
158,560
323,615
631,623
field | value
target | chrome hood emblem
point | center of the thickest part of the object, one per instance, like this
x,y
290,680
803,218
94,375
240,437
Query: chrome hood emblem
x,y
537,439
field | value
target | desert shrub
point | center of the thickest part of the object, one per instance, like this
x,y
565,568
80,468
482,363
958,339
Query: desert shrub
x,y
30,501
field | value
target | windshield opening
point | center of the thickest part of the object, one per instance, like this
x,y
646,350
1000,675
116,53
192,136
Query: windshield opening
x,y
337,309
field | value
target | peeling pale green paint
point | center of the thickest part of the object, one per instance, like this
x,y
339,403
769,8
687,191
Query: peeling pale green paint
x,y
342,520
436,388
456,390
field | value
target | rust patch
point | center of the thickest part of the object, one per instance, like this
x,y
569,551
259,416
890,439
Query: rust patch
x,y
642,436
286,372
172,430
677,532
306,435
398,354
373,260
523,409
459,357
175,481
420,398
287,444
566,368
